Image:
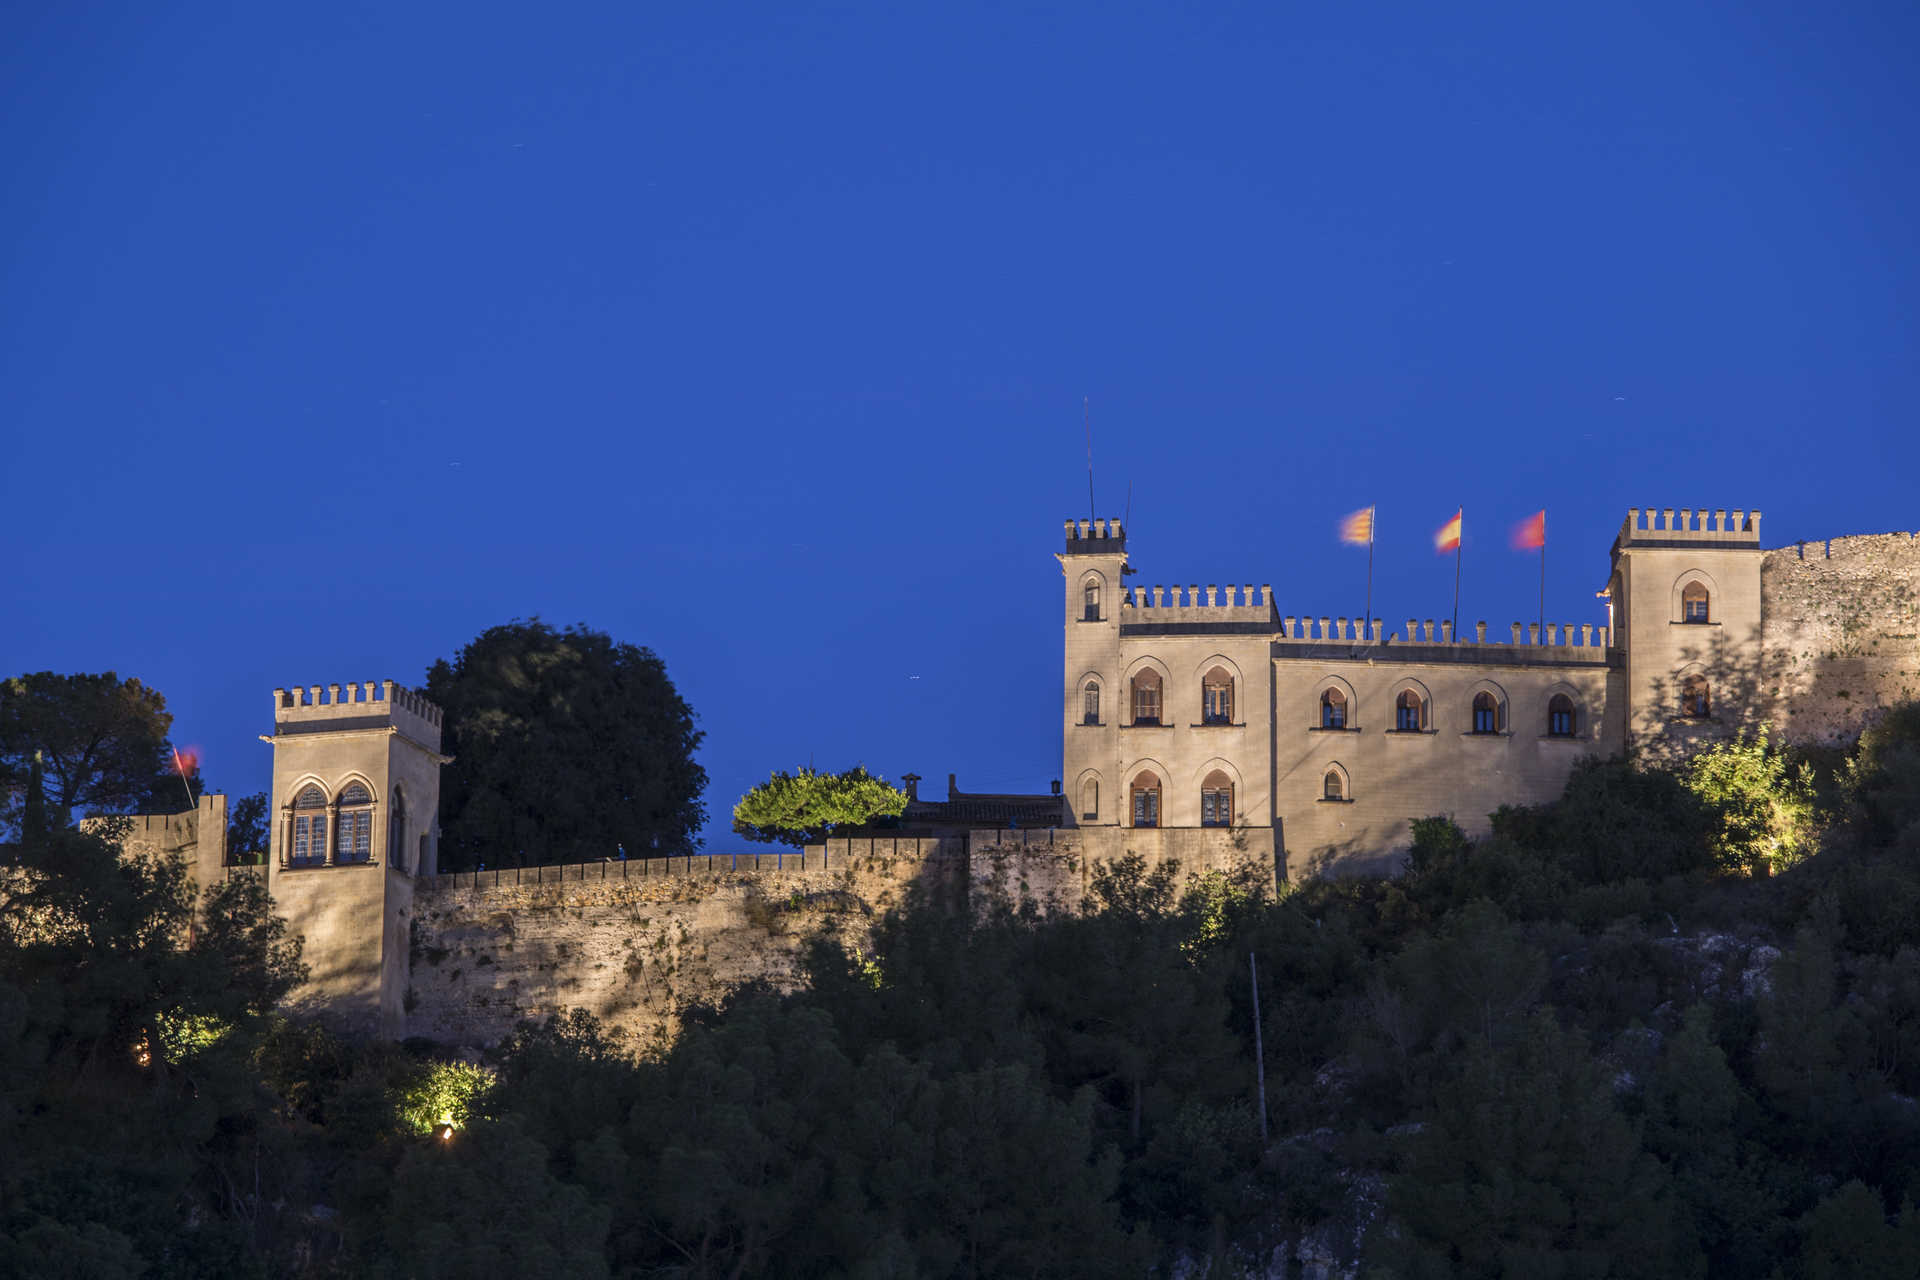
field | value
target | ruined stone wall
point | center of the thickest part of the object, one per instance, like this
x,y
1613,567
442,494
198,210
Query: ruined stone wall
x,y
1053,869
638,943
1840,633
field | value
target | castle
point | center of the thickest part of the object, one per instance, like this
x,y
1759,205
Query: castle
x,y
1206,728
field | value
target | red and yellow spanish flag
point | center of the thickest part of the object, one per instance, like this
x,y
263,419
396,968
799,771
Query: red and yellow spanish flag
x,y
1357,529
1531,532
1448,539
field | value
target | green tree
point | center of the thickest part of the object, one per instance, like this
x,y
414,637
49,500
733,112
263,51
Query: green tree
x,y
101,740
803,808
247,828
1762,805
567,746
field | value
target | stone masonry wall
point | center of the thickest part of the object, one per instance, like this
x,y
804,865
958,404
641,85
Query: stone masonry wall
x,y
1840,633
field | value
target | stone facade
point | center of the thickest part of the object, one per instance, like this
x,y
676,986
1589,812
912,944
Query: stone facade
x,y
1332,734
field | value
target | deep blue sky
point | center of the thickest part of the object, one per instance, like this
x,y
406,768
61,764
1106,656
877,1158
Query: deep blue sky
x,y
331,336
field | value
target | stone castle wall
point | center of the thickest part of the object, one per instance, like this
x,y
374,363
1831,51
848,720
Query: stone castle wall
x,y
639,943
1840,638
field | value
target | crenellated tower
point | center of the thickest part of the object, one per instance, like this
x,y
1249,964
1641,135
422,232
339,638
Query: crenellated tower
x,y
356,794
1094,564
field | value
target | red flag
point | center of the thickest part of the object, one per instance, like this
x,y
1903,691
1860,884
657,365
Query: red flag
x,y
1448,539
1531,532
186,760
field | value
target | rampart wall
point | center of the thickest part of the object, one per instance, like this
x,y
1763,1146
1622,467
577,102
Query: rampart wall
x,y
1840,633
639,943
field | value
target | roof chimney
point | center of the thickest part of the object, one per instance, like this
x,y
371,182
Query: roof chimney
x,y
910,783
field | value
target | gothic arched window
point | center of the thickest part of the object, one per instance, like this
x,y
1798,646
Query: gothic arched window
x,y
1090,703
1146,800
1408,712
354,828
309,848
1560,716
1216,800
1333,786
1693,602
397,833
1333,709
1090,611
1146,697
1696,702
1216,698
1486,713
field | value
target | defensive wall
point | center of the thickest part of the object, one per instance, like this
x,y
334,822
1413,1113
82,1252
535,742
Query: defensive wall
x,y
638,943
1841,633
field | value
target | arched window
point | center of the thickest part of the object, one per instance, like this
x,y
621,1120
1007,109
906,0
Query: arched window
x,y
1408,713
397,833
1695,701
309,828
1216,698
1333,709
1560,718
1333,786
1091,611
1216,800
1090,800
1486,713
1693,603
354,839
1146,697
1090,703
1146,800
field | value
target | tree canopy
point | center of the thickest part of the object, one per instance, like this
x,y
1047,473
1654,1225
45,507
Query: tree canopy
x,y
802,808
566,746
101,740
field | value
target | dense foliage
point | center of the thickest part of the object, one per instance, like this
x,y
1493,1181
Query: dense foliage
x,y
101,743
566,747
805,807
1666,1026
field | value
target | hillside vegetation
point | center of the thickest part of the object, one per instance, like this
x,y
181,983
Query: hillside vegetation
x,y
1666,1026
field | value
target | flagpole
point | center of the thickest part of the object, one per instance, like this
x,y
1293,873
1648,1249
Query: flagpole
x,y
182,769
1373,518
1543,575
1458,543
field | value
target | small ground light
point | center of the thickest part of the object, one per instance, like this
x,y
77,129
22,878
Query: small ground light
x,y
444,1132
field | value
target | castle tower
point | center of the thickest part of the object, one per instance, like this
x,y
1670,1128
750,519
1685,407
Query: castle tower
x,y
1684,595
356,794
1093,563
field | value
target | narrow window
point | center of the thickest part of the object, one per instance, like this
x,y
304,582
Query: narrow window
x,y
1146,801
1333,709
354,833
1216,800
1560,716
1090,800
1693,603
1146,698
1090,703
1091,611
1406,712
309,828
1486,714
1332,788
1695,702
397,832
1216,698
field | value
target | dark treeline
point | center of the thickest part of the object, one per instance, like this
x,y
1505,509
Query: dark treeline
x,y
1602,1041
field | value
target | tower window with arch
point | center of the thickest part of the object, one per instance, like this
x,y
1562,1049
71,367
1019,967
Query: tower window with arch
x,y
397,831
1333,709
1409,712
1146,800
1333,786
1694,599
1486,713
1562,721
1216,698
1090,601
309,845
1696,700
1146,698
1216,800
1090,703
1090,800
354,827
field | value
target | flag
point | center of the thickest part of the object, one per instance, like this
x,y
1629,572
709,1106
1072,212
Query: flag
x,y
1531,532
187,761
1357,528
1448,539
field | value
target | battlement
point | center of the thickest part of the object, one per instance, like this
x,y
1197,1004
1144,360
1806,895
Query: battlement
x,y
1662,526
1162,604
1095,538
1525,643
356,706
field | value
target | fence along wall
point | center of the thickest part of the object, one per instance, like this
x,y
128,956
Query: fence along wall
x,y
1840,634
637,944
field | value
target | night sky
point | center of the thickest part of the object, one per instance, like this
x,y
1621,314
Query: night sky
x,y
332,335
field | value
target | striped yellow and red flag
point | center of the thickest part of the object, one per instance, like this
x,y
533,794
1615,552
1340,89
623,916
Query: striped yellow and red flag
x,y
1357,529
1448,539
1531,532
